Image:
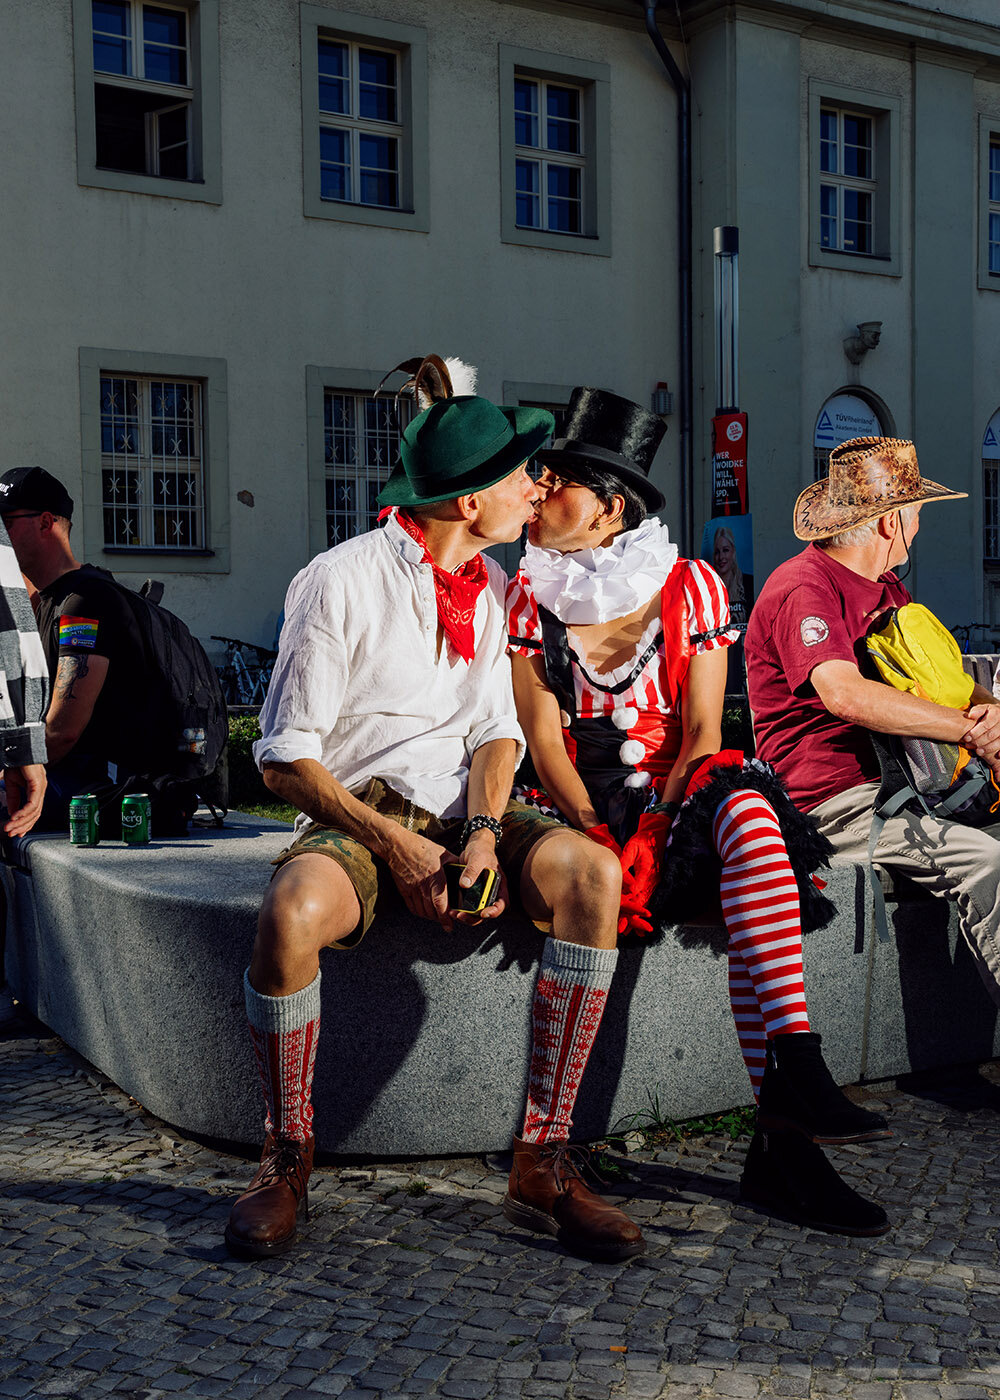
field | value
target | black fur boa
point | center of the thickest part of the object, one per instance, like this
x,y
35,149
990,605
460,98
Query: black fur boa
x,y
689,882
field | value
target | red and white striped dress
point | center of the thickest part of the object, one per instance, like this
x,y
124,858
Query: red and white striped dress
x,y
641,685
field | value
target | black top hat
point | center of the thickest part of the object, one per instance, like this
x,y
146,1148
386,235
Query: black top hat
x,y
610,434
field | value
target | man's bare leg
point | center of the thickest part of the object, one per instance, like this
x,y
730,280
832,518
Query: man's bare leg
x,y
310,904
575,885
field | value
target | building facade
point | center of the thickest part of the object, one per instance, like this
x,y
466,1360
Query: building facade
x,y
857,148
225,221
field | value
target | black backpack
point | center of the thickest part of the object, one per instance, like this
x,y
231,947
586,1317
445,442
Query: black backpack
x,y
187,713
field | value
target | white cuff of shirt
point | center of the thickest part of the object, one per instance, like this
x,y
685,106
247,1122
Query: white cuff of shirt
x,y
501,727
287,748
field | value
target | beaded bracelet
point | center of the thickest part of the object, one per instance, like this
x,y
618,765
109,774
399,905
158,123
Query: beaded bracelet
x,y
481,823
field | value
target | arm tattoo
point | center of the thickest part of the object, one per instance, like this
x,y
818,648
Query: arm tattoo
x,y
68,672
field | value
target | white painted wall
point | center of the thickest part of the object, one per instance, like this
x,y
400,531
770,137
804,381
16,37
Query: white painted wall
x,y
256,283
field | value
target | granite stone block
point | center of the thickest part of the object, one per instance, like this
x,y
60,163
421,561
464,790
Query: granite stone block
x,y
135,956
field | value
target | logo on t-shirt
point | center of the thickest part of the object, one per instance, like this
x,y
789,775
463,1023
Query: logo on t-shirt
x,y
813,630
78,632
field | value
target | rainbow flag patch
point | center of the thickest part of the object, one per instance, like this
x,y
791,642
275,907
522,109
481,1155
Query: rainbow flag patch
x,y
78,632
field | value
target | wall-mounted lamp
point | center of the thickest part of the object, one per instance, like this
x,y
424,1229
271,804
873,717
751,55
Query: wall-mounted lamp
x,y
727,318
663,400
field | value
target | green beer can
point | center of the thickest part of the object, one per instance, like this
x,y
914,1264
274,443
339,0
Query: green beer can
x,y
83,830
135,819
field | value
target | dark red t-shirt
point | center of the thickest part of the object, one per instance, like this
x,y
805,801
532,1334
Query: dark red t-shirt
x,y
812,609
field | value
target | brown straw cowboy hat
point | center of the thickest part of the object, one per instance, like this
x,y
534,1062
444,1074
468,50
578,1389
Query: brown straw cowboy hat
x,y
869,477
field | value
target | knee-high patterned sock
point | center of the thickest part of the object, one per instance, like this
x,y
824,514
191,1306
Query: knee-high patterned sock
x,y
572,989
760,904
285,1033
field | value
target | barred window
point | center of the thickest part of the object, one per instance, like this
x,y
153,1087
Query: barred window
x,y
361,445
152,452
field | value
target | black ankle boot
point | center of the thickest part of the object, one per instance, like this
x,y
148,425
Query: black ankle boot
x,y
798,1093
788,1175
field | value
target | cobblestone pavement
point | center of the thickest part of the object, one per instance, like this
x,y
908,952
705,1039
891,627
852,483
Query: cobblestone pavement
x,y
408,1281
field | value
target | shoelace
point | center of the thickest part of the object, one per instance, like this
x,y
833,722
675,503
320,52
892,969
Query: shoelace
x,y
284,1161
569,1161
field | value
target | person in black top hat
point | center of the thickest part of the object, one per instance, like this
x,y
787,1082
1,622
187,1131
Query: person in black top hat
x,y
619,664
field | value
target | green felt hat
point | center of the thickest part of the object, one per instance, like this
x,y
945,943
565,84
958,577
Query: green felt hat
x,y
460,445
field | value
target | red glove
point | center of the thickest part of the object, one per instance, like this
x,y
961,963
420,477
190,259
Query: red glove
x,y
602,835
641,860
634,918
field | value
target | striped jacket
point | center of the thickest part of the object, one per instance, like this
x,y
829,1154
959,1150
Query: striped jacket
x,y
24,677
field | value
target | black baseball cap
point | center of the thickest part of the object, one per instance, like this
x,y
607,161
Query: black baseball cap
x,y
33,488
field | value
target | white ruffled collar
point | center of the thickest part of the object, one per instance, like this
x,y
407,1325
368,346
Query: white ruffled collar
x,y
598,585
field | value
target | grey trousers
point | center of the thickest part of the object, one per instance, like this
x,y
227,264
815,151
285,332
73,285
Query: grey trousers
x,y
957,862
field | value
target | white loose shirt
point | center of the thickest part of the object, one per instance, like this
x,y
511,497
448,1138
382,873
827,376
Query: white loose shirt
x,y
360,685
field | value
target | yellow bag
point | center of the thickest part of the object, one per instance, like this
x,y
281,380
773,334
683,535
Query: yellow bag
x,y
914,651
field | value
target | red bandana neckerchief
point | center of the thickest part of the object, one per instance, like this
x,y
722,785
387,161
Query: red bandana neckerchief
x,y
457,593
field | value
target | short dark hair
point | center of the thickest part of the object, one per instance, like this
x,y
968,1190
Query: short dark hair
x,y
605,486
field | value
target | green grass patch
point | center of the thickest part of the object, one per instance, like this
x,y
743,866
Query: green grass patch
x,y
657,1126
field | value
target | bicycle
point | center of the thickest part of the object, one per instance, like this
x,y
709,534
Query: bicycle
x,y
246,672
987,640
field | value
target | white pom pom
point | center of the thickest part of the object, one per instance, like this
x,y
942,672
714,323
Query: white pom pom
x,y
463,376
564,719
625,718
632,751
638,780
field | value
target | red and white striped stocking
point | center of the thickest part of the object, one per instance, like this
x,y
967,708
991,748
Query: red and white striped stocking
x,y
285,1034
572,989
760,904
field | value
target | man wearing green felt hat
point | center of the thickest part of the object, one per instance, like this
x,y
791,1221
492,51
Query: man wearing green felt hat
x,y
390,725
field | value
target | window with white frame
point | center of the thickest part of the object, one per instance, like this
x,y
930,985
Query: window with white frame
x,y
360,137
993,211
152,452
854,179
554,151
364,119
143,88
360,447
550,155
847,182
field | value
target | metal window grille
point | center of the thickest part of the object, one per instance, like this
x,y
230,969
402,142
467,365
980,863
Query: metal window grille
x,y
821,463
361,131
361,445
550,160
152,474
991,511
560,412
847,184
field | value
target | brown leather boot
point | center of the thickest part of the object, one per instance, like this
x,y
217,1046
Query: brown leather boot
x,y
262,1221
546,1192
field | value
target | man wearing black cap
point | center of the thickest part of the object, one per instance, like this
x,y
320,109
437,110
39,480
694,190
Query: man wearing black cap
x,y
619,663
92,646
390,725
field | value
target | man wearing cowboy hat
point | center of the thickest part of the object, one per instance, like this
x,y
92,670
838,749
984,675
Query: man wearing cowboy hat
x,y
390,725
812,707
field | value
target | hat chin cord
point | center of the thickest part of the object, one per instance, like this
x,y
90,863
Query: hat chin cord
x,y
904,570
